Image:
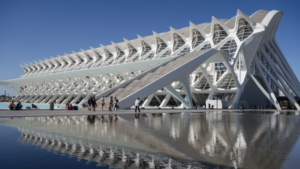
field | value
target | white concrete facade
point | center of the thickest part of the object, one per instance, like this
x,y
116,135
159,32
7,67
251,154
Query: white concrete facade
x,y
243,65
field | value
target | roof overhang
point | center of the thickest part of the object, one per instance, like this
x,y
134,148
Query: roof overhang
x,y
119,68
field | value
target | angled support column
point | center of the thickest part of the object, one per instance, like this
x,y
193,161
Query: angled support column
x,y
165,101
184,80
170,89
148,100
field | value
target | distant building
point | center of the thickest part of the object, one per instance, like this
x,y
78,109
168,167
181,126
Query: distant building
x,y
234,60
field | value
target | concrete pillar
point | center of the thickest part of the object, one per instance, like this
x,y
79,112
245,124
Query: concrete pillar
x,y
165,101
184,80
170,89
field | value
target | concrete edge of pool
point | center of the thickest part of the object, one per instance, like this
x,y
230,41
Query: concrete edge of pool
x,y
62,112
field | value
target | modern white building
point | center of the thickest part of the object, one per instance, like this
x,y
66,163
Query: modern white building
x,y
225,63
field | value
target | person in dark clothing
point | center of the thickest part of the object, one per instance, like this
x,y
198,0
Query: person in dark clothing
x,y
111,102
116,103
19,106
33,106
90,103
93,102
208,105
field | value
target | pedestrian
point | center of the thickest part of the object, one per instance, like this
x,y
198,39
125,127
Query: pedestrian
x,y
11,105
90,104
137,104
34,106
19,106
102,103
111,103
116,103
208,105
94,102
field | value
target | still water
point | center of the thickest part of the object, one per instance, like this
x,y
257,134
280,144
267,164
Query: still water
x,y
180,140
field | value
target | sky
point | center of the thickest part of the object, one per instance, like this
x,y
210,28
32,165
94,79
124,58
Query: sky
x,y
36,29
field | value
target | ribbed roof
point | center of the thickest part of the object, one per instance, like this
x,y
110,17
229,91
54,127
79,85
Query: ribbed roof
x,y
258,16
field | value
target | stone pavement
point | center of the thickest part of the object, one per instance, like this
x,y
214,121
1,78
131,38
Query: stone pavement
x,y
62,112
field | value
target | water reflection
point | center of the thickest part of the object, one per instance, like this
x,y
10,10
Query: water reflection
x,y
238,140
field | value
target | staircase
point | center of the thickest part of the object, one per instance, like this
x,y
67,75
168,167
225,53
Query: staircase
x,y
148,78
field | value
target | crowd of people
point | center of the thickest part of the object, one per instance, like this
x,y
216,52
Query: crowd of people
x,y
18,106
112,104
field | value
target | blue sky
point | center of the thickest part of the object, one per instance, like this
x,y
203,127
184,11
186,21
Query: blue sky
x,y
37,29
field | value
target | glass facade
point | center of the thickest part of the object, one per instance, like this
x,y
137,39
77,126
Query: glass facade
x,y
132,50
120,53
230,47
201,98
161,45
108,54
178,42
228,82
184,51
197,38
220,69
219,34
166,54
146,48
244,30
203,84
207,46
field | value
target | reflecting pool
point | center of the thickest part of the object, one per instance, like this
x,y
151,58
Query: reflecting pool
x,y
179,140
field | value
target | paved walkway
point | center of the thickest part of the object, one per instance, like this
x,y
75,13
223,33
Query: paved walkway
x,y
62,112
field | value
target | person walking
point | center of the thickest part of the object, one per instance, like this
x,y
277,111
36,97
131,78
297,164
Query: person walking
x,y
111,103
102,103
116,103
137,104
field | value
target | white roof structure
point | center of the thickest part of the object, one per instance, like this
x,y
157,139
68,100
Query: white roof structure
x,y
234,56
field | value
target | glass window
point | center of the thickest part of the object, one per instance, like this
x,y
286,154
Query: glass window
x,y
207,46
178,42
131,49
219,34
230,47
161,45
146,48
244,29
197,38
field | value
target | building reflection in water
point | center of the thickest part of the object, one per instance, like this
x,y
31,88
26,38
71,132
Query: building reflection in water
x,y
245,140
